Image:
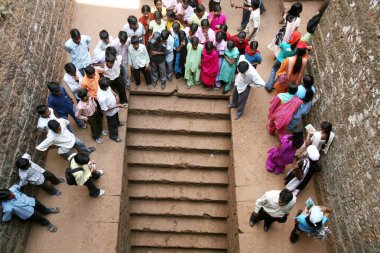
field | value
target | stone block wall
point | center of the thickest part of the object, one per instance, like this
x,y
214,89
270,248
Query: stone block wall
x,y
31,54
345,62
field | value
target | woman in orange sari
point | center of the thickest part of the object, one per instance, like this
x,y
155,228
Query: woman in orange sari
x,y
292,68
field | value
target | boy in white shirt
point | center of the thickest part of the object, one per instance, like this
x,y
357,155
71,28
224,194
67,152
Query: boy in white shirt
x,y
138,59
29,172
73,78
100,49
46,114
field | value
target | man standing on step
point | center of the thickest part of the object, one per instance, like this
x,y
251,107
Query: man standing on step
x,y
273,206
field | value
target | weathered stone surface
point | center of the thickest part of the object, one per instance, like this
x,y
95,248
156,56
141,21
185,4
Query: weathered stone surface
x,y
345,62
31,54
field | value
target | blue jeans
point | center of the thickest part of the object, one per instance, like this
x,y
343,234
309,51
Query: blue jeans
x,y
270,82
72,114
177,68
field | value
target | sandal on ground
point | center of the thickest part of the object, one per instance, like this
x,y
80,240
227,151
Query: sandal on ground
x,y
117,140
52,228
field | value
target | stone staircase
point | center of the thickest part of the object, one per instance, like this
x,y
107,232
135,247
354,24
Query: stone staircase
x,y
178,160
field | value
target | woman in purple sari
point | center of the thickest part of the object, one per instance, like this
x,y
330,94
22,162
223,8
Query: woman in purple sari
x,y
282,154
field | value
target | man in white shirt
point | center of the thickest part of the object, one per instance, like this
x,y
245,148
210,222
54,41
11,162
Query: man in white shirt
x,y
46,114
134,28
58,135
112,70
73,78
78,47
108,104
246,78
138,59
254,21
121,45
32,173
273,206
100,49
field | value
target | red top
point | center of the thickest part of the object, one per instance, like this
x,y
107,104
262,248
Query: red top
x,y
240,46
144,21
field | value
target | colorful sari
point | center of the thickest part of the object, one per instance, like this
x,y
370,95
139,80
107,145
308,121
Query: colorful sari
x,y
144,21
279,158
280,114
209,67
227,71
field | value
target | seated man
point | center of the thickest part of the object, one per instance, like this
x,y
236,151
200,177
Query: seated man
x,y
65,140
26,208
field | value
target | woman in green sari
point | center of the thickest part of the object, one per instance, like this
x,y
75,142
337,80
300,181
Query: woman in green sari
x,y
228,67
193,62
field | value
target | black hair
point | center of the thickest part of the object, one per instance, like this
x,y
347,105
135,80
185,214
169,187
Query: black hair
x,y
145,8
209,45
200,8
326,128
170,14
156,38
82,93
53,125
70,68
242,35
165,34
230,44
243,66
181,35
311,224
297,138
176,25
81,158
255,3
156,1
185,2
75,34
89,70
22,163
4,194
110,58
296,9
254,45
41,109
292,89
217,8
103,34
193,28
298,64
308,81
132,20
104,83
219,36
286,196
53,86
123,36
205,22
135,40
157,14
308,95
224,28
194,40
111,50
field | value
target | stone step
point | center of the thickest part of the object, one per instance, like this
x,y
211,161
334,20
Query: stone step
x,y
177,225
178,208
173,250
164,141
177,159
178,125
165,240
194,107
178,192
144,174
200,92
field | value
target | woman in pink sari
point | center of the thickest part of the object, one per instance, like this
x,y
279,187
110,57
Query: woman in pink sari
x,y
281,110
216,18
209,65
283,154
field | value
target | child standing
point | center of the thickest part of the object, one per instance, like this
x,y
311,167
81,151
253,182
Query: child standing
x,y
88,110
121,45
90,81
206,33
252,55
209,65
168,42
147,16
157,56
134,28
29,172
217,18
157,25
240,42
198,15
138,59
158,7
73,78
183,11
112,71
221,45
193,62
180,43
228,68
100,49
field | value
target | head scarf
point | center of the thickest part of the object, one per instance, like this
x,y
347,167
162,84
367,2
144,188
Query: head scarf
x,y
295,38
313,153
316,215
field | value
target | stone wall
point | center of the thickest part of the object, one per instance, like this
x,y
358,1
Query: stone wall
x,y
345,62
31,54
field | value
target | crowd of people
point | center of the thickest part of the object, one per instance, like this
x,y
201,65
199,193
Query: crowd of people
x,y
181,40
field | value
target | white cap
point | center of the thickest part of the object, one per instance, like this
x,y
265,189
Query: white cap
x,y
313,153
316,215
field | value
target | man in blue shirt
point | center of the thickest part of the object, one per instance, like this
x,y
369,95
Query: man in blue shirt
x,y
62,103
78,46
26,208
